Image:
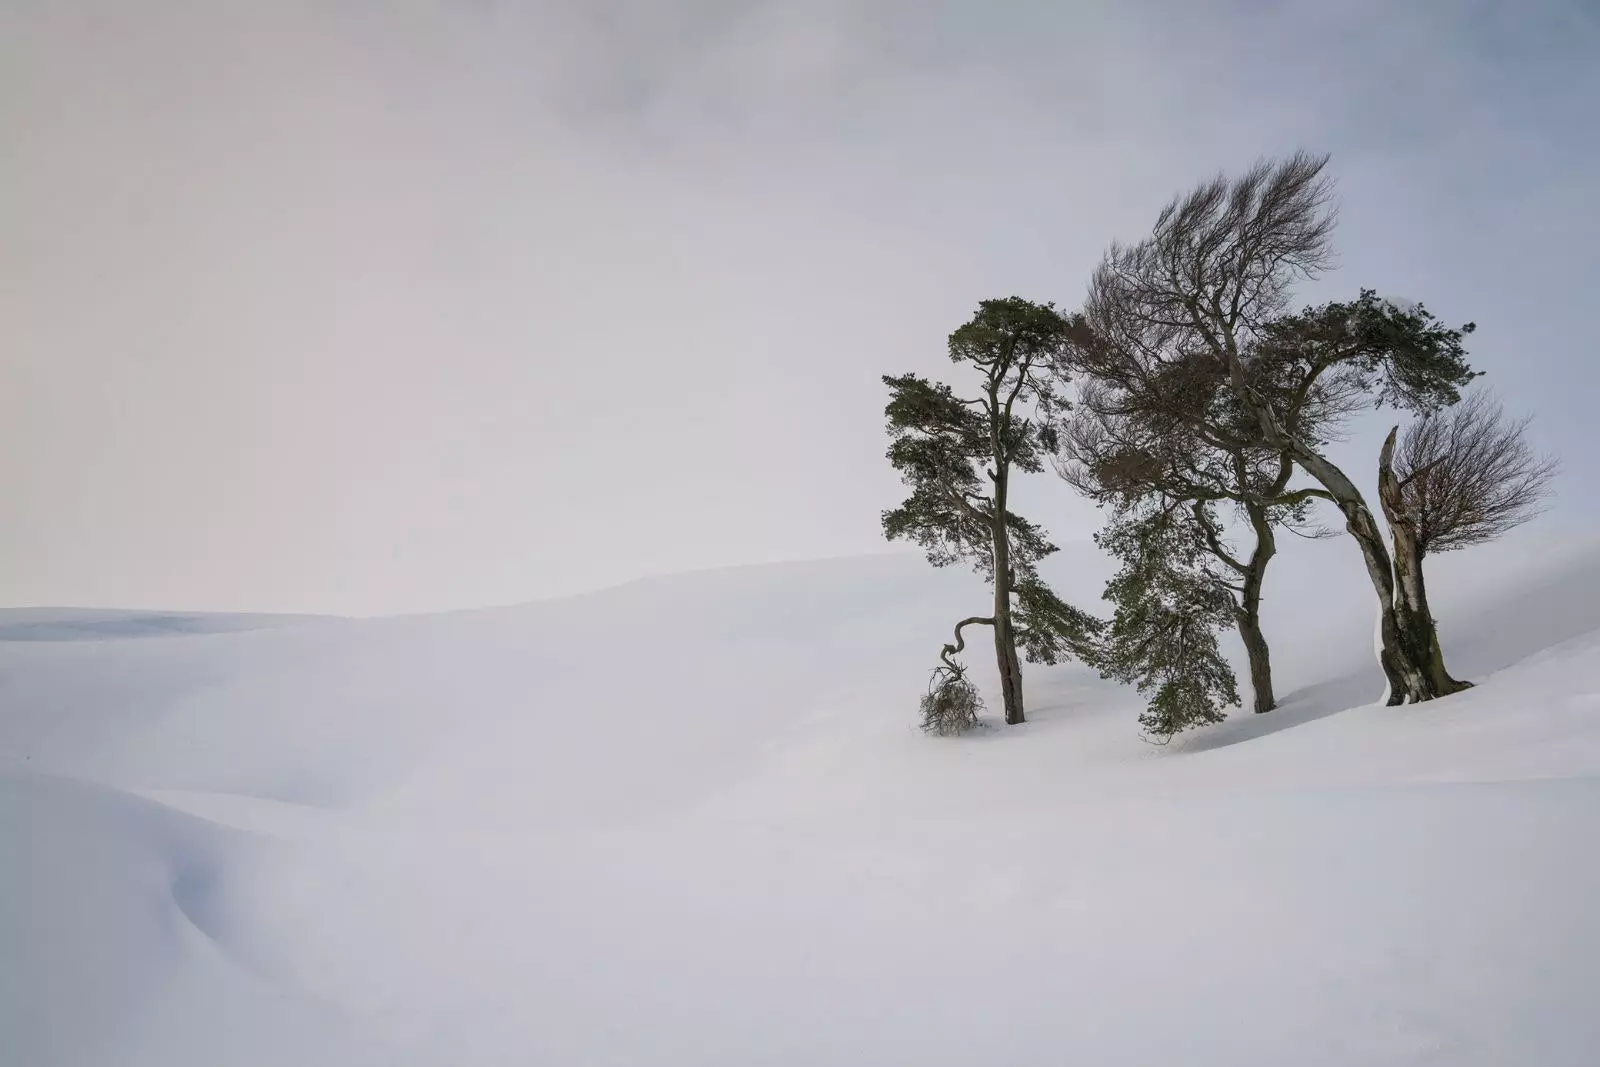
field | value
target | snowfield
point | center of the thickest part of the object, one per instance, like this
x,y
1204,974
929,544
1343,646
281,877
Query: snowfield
x,y
690,821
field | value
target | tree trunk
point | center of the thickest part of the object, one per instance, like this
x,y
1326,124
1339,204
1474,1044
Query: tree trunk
x,y
1005,650
1255,646
1413,619
1005,645
1248,614
1407,676
1406,680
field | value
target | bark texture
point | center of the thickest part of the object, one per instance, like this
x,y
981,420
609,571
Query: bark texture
x,y
1414,624
1407,679
1005,645
1248,612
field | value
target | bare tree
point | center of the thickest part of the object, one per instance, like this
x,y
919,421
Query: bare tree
x,y
1193,318
1461,477
1467,476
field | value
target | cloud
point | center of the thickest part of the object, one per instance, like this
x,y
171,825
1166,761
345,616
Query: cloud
x,y
382,307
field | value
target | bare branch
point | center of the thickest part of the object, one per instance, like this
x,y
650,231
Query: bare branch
x,y
1213,539
1467,475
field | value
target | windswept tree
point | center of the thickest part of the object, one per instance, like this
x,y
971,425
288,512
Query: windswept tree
x,y
1200,330
958,456
1400,357
1153,417
1465,476
1120,449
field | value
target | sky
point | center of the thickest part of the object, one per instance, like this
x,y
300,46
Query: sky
x,y
365,307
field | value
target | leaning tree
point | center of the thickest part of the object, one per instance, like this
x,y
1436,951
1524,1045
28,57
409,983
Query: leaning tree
x,y
1462,477
1207,292
958,454
1400,356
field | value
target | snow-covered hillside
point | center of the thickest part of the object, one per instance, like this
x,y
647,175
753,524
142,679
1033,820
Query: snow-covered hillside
x,y
690,821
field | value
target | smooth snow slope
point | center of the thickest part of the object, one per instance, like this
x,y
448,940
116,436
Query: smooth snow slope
x,y
689,821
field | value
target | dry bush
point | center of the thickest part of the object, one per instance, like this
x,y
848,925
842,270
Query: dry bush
x,y
951,704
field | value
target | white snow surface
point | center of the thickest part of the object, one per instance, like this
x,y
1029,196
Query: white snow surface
x,y
690,821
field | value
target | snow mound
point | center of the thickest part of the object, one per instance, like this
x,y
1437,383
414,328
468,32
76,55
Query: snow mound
x,y
123,946
691,821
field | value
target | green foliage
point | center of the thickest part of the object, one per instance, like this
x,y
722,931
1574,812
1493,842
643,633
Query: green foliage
x,y
957,454
1008,328
1048,629
1400,357
1169,610
1184,701
951,451
937,443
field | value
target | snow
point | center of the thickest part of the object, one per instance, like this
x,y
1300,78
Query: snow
x,y
690,821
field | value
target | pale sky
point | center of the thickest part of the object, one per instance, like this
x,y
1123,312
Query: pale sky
x,y
367,307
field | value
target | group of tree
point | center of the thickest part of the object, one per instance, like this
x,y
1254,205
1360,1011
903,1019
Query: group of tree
x,y
1195,407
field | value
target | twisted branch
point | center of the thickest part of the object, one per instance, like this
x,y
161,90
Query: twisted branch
x,y
961,642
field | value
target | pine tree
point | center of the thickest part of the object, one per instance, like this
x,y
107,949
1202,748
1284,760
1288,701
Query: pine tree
x,y
958,455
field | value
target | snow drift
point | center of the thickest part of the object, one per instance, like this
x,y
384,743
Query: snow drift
x,y
690,821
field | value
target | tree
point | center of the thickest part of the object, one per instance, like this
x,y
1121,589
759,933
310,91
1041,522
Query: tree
x,y
1169,610
1153,414
1400,357
1202,305
1118,448
1462,477
958,456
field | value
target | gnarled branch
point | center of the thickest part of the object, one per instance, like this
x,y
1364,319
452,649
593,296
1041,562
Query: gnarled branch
x,y
961,641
